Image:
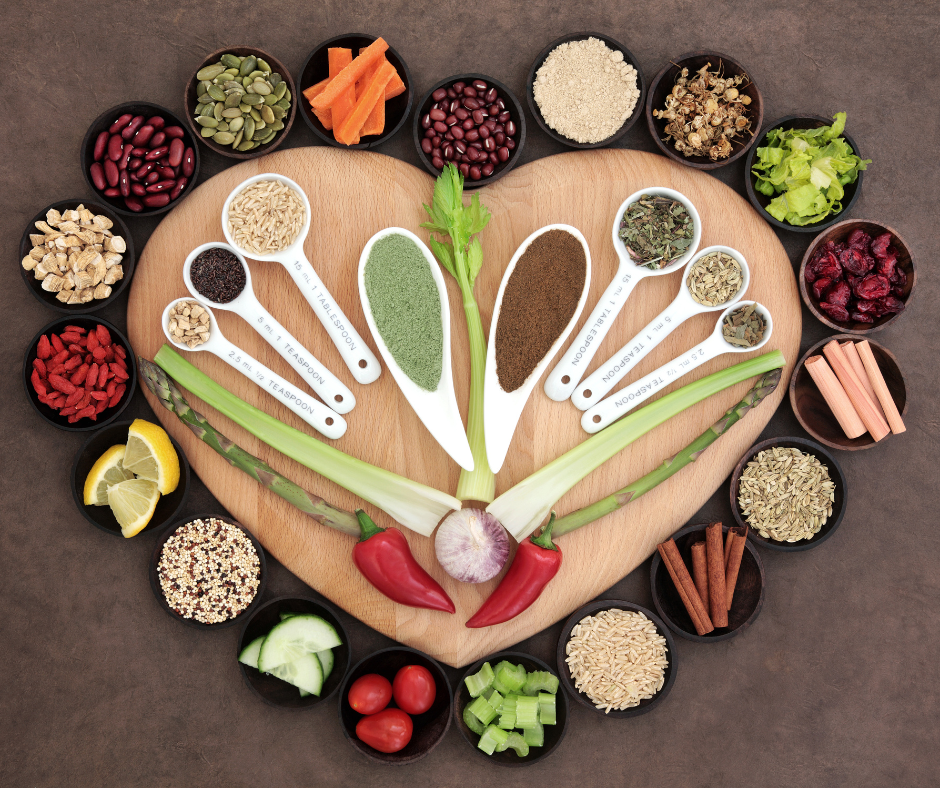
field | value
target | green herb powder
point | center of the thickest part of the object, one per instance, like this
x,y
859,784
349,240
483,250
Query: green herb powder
x,y
406,307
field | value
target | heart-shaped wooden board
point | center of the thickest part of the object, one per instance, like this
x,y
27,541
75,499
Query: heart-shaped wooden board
x,y
353,194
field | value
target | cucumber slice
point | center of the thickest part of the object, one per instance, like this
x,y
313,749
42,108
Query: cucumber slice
x,y
304,693
326,662
304,673
294,638
249,655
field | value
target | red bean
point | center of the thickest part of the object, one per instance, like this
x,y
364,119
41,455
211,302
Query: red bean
x,y
161,186
457,131
156,200
139,152
464,169
499,137
451,93
470,92
479,84
97,176
498,129
460,146
436,153
471,104
489,144
131,129
459,86
493,110
440,94
110,172
478,117
511,144
120,123
188,166
510,128
452,106
502,153
472,134
145,169
475,173
156,153
468,124
426,146
115,147
490,96
440,127
503,117
101,145
484,131
437,114
461,113
133,204
114,191
157,122
143,135
430,133
426,122
501,103
167,172
125,157
177,190
487,170
138,189
173,131
449,135
494,159
450,120
437,163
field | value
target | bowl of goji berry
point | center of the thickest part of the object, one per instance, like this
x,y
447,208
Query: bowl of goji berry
x,y
858,276
79,373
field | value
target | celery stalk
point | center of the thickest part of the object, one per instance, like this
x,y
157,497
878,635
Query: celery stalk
x,y
522,508
414,505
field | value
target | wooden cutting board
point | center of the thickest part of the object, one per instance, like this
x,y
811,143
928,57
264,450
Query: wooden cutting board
x,y
352,196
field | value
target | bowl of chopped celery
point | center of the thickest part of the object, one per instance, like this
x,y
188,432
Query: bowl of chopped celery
x,y
510,709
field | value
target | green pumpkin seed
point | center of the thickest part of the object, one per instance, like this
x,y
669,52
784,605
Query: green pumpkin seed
x,y
245,82
231,61
216,92
270,99
277,125
235,124
246,145
275,79
284,104
223,126
253,99
263,65
287,96
266,114
224,138
248,65
262,135
238,139
205,98
210,72
217,110
250,88
206,109
207,122
278,112
255,114
201,88
231,112
233,99
244,108
207,132
259,124
233,84
261,88
249,128
254,75
280,89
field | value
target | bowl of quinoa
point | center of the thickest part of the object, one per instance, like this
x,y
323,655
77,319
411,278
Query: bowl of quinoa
x,y
208,572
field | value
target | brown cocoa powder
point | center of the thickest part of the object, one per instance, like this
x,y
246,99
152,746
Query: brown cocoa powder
x,y
541,296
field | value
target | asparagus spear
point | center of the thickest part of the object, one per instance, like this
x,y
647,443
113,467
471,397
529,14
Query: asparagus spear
x,y
617,500
173,400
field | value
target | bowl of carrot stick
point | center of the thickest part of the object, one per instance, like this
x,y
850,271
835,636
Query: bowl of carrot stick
x,y
356,91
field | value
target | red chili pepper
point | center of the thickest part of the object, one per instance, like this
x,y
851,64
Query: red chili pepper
x,y
537,561
383,556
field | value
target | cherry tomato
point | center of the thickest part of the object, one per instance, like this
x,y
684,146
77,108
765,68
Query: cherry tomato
x,y
370,694
387,731
414,689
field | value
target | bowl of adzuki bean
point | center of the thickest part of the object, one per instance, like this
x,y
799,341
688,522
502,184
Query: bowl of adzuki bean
x,y
140,158
473,121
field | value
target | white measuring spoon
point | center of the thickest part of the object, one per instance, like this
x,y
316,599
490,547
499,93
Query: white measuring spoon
x,y
438,409
502,409
564,378
612,371
311,410
609,410
318,377
362,363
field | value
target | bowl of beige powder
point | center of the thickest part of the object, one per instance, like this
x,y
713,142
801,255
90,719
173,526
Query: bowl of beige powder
x,y
586,90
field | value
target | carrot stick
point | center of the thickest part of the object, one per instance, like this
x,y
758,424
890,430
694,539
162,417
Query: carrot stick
x,y
349,132
315,90
349,75
339,58
394,88
375,123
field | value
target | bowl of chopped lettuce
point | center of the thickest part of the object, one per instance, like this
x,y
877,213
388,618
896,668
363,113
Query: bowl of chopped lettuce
x,y
804,174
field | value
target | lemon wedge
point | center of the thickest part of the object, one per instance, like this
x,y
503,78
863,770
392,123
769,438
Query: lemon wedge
x,y
133,503
108,470
150,455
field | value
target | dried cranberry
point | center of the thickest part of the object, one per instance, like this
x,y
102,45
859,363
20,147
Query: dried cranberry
x,y
872,286
872,308
851,280
819,287
887,265
839,294
899,278
859,239
879,246
829,266
811,273
854,261
836,312
889,305
861,317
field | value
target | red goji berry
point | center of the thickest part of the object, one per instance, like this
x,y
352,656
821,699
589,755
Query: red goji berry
x,y
116,397
44,348
72,363
85,401
104,375
61,384
119,374
73,418
69,338
92,377
104,336
85,412
99,354
59,358
57,344
76,350
79,376
119,351
121,363
74,397
38,385
75,330
102,404
109,353
112,385
57,400
58,369
40,366
99,395
68,410
92,342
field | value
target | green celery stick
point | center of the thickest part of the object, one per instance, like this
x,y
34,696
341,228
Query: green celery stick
x,y
492,738
480,680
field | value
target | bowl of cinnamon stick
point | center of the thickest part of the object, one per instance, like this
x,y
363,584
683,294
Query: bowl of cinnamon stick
x,y
708,582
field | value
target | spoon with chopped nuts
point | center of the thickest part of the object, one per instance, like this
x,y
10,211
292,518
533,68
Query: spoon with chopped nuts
x,y
189,325
748,319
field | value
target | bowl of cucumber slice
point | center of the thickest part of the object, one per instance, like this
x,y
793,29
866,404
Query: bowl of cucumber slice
x,y
510,709
293,652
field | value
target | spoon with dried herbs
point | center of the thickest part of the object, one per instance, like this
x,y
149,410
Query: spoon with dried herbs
x,y
670,239
744,327
716,278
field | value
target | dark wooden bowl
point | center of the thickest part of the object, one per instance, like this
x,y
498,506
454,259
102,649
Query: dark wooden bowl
x,y
104,121
500,170
815,415
662,86
429,728
746,603
760,201
168,507
316,68
108,415
835,474
272,690
590,609
49,299
612,43
158,592
190,103
553,733
839,233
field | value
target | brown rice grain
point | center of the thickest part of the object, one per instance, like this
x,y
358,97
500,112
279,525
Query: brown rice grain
x,y
265,217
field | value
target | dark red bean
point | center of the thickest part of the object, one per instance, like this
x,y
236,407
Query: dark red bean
x,y
450,120
167,172
503,117
498,129
475,173
472,134
487,170
124,183
176,152
484,131
449,135
499,137
502,153
156,200
461,113
436,114
161,186
120,123
131,128
457,132
97,176
468,124
511,144
501,103
440,94
472,154
138,189
125,157
451,93
426,146
460,146
426,122
143,135
437,163
465,158
173,131
430,133
494,159
510,129
490,96
436,153
156,153
440,127
471,104
480,85
110,172
493,110
133,164
470,92
491,125
101,145
164,162
158,139
489,144
153,177
114,191
449,152
115,147
133,204
157,122
459,86
464,169
180,185
139,152
478,117
145,168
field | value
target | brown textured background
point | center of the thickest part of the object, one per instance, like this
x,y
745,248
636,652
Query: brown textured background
x,y
836,682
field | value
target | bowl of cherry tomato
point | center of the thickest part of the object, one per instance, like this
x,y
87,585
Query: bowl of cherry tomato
x,y
395,705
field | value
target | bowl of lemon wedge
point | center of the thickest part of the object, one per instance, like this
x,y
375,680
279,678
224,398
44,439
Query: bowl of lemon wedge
x,y
130,477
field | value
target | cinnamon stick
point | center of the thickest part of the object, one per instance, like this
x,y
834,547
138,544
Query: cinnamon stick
x,y
715,555
728,538
739,539
851,353
686,588
699,571
881,388
835,396
867,412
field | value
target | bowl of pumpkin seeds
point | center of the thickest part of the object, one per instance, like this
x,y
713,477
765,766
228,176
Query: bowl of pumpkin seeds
x,y
240,102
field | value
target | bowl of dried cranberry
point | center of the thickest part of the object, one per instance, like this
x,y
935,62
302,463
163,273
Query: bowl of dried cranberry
x,y
475,122
140,158
79,373
858,276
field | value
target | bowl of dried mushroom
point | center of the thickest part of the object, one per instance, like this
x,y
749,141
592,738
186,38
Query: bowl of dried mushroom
x,y
76,256
703,110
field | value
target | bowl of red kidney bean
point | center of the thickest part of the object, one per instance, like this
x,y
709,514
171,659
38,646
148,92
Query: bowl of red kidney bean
x,y
473,121
140,158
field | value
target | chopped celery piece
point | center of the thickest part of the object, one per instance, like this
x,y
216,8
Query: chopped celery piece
x,y
492,738
482,710
509,677
540,681
515,742
527,711
471,721
507,719
493,698
534,736
480,680
546,708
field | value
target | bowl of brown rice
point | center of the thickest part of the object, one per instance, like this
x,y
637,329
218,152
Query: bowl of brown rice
x,y
614,638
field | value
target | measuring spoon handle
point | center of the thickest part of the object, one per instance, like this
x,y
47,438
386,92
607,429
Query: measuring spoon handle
x,y
361,362
606,377
564,378
617,405
325,421
330,389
